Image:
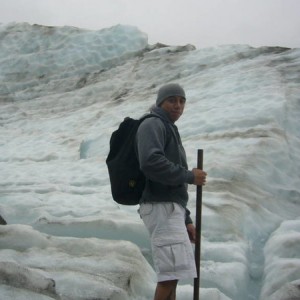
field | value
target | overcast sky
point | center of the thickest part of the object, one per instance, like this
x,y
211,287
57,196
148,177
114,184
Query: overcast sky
x,y
203,23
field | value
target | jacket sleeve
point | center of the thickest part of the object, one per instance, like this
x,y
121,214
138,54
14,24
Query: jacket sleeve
x,y
188,219
151,140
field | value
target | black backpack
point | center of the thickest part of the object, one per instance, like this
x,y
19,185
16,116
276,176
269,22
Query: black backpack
x,y
126,179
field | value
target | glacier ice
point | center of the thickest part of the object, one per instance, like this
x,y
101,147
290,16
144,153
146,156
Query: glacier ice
x,y
64,90
13,274
70,268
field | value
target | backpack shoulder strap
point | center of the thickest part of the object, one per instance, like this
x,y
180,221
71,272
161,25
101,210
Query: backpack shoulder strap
x,y
168,129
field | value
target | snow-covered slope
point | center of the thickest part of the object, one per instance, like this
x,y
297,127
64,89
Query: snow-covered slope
x,y
62,93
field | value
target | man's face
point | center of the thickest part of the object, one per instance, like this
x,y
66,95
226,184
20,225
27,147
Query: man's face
x,y
174,106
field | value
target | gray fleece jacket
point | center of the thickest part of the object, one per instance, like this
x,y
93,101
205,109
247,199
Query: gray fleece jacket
x,y
163,161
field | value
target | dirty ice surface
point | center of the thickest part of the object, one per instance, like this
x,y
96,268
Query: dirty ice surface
x,y
64,90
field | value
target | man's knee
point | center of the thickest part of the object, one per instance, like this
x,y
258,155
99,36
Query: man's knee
x,y
166,290
168,283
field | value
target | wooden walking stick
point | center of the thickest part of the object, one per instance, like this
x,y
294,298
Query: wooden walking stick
x,y
198,227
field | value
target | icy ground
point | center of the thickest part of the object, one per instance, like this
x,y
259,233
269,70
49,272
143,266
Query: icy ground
x,y
62,93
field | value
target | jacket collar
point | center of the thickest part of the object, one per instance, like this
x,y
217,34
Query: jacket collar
x,y
161,113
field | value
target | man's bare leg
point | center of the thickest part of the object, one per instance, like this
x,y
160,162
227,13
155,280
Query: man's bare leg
x,y
166,290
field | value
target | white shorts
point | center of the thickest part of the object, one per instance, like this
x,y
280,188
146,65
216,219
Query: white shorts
x,y
172,251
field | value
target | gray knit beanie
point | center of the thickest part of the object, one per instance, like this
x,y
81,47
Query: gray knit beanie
x,y
168,90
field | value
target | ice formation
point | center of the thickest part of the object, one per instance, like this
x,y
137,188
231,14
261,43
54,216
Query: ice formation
x,y
63,90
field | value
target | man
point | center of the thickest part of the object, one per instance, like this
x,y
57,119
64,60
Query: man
x,y
163,204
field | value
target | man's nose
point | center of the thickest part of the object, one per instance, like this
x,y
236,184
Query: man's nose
x,y
177,103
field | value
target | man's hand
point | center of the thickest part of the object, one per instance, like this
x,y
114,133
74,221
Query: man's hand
x,y
200,177
192,232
